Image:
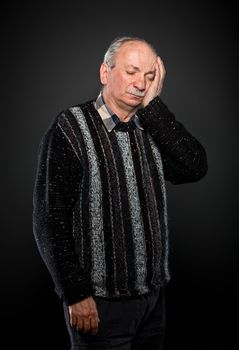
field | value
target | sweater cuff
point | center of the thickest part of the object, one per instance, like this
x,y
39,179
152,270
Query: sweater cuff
x,y
157,120
155,113
74,294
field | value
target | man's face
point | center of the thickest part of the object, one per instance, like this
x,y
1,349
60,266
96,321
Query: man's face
x,y
128,81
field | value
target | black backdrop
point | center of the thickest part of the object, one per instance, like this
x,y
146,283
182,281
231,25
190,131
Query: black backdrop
x,y
50,58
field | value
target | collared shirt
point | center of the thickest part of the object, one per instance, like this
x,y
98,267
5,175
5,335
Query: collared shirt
x,y
109,118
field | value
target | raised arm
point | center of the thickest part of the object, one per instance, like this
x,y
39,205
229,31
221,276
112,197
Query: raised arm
x,y
183,156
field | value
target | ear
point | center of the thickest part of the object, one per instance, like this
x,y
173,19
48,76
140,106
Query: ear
x,y
104,69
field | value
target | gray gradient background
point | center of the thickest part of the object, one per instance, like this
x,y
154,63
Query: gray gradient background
x,y
50,60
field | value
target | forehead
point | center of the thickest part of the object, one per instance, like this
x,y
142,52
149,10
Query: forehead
x,y
135,52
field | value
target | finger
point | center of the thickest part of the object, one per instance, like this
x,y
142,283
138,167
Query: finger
x,y
160,61
94,325
80,325
161,67
162,73
86,325
156,69
73,320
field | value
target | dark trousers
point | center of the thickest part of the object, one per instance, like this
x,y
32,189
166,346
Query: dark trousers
x,y
133,324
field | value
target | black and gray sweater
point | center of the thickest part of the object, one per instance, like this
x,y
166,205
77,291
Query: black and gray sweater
x,y
99,203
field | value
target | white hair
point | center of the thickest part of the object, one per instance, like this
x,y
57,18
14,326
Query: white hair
x,y
109,57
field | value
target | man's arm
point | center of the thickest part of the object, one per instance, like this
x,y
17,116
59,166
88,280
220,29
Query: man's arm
x,y
55,192
184,158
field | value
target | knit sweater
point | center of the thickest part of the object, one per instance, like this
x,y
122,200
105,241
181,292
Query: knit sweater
x,y
99,202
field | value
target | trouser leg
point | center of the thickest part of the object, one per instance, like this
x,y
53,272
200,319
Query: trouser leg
x,y
150,334
118,325
135,324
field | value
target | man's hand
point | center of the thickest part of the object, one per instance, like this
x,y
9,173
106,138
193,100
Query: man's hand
x,y
84,316
157,84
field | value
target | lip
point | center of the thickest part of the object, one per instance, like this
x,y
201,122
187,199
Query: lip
x,y
137,96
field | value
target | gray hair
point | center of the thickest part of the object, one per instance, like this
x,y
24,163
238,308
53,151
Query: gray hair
x,y
109,57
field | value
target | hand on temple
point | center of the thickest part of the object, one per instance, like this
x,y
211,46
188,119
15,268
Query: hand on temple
x,y
157,84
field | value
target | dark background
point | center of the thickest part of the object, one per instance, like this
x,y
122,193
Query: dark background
x,y
50,57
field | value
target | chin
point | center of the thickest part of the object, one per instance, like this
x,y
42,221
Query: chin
x,y
134,105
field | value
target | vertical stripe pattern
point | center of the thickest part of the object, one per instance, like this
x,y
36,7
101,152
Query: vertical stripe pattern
x,y
135,209
159,164
95,199
119,220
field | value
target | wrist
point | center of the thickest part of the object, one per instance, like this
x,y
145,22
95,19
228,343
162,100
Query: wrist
x,y
155,114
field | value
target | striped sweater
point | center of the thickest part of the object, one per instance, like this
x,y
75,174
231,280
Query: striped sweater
x,y
99,202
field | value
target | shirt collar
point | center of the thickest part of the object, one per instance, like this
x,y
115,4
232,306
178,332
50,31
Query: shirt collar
x,y
108,117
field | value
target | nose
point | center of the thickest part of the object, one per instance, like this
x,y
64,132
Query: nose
x,y
140,83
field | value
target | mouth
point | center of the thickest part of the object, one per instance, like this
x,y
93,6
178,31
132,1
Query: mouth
x,y
140,96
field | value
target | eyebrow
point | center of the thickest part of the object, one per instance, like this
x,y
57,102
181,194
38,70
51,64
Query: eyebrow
x,y
137,69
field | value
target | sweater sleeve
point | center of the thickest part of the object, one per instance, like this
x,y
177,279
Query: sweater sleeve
x,y
55,192
184,157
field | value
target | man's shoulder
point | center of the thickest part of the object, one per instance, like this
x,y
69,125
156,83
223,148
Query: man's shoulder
x,y
66,118
83,107
74,109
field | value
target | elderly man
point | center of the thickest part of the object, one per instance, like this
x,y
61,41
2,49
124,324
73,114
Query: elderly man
x,y
100,212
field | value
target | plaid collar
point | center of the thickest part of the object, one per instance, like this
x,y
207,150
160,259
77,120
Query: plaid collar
x,y
109,118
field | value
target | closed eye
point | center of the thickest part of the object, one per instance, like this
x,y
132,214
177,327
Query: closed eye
x,y
151,77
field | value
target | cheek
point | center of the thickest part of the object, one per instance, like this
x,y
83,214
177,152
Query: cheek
x,y
118,87
121,82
